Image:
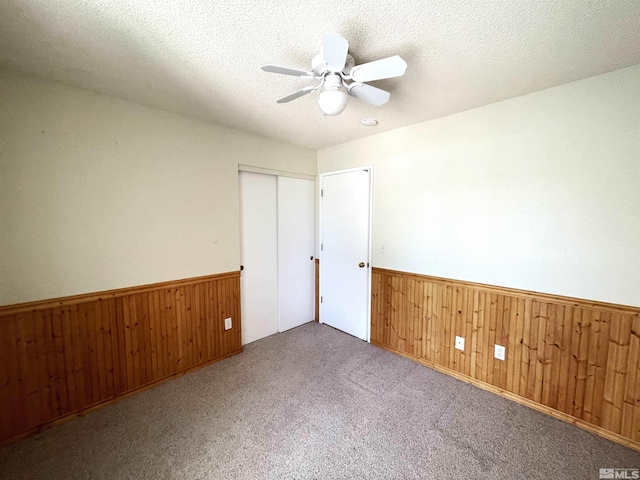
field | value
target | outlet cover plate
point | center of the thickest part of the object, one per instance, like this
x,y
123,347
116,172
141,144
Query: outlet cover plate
x,y
460,343
499,352
227,323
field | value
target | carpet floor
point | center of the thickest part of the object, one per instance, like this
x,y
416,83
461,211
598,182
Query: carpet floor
x,y
314,403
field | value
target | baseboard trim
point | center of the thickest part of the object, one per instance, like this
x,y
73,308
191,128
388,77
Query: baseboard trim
x,y
110,401
521,400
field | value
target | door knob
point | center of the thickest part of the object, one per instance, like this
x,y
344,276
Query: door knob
x,y
361,264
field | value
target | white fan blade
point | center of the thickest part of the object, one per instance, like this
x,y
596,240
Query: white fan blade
x,y
287,71
374,96
298,94
334,51
386,68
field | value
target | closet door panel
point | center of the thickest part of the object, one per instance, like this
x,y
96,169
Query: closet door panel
x,y
259,255
296,266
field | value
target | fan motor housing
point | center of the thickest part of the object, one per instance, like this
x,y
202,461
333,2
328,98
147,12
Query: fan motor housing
x,y
319,67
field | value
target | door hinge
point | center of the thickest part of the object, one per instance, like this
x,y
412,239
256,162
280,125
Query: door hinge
x,y
367,265
322,247
320,299
322,193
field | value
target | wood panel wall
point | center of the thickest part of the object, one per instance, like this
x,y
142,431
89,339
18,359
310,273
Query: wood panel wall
x,y
575,359
62,357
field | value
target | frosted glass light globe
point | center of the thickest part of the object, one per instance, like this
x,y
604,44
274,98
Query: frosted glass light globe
x,y
333,99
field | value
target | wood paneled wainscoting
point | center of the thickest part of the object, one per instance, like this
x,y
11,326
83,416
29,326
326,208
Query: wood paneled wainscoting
x,y
62,357
574,359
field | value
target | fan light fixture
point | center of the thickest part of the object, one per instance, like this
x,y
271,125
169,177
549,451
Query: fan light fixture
x,y
333,97
338,77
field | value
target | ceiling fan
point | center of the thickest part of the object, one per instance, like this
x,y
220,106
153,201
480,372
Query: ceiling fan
x,y
338,75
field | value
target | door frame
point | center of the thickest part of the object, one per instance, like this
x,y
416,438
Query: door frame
x,y
321,177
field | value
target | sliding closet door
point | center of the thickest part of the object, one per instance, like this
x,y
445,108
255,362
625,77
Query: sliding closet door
x,y
296,265
259,255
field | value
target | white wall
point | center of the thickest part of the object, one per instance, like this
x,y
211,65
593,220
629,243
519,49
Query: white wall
x,y
98,193
540,192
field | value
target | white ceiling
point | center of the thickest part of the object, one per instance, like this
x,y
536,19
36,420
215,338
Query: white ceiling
x,y
202,58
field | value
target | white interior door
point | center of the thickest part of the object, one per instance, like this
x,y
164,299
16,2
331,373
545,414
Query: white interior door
x,y
296,266
344,262
259,256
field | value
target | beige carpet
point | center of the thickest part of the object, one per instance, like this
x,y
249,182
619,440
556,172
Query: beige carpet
x,y
314,403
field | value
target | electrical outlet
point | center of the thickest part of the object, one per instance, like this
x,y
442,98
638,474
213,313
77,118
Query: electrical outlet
x,y
499,352
227,323
460,343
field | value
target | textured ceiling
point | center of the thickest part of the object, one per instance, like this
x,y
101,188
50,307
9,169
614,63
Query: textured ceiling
x,y
202,58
